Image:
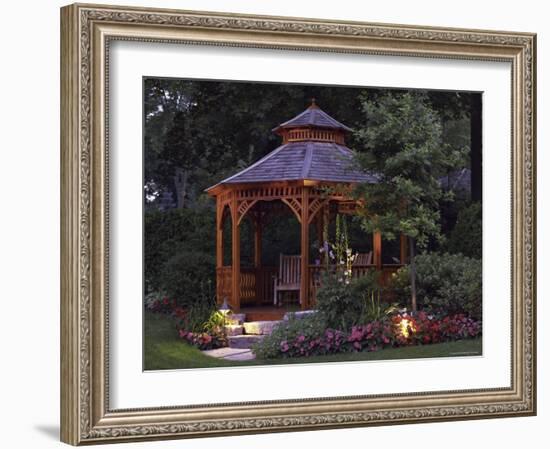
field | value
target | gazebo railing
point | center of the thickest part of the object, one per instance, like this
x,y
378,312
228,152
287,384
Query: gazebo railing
x,y
323,135
256,284
223,283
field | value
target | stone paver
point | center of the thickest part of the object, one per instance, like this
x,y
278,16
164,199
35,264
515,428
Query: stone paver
x,y
260,327
246,354
243,341
298,314
230,354
233,329
235,318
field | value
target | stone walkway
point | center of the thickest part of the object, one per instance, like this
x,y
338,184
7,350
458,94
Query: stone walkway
x,y
242,334
230,354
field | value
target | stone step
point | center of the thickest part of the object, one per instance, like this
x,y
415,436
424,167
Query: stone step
x,y
243,341
299,314
233,329
235,318
260,327
230,354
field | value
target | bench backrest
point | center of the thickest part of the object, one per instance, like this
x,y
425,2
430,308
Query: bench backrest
x,y
363,259
289,269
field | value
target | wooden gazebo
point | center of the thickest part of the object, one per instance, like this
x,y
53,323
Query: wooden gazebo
x,y
294,176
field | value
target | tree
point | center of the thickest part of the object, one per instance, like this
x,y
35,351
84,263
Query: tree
x,y
199,132
401,142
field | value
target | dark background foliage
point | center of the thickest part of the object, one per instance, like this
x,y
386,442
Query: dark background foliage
x,y
199,132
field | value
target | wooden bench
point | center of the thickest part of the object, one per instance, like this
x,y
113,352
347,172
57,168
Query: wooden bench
x,y
289,278
363,259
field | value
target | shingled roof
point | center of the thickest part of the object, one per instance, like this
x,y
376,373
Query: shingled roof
x,y
306,158
317,161
313,117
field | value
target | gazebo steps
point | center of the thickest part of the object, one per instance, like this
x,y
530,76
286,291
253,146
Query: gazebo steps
x,y
243,341
260,327
243,336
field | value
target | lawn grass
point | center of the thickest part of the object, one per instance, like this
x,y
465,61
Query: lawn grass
x,y
164,350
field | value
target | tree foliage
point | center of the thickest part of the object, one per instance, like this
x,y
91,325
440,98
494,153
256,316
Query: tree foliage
x,y
466,237
447,283
402,143
200,132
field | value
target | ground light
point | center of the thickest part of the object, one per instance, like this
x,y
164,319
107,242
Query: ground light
x,y
224,310
406,327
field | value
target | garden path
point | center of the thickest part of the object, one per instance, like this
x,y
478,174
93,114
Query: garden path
x,y
230,354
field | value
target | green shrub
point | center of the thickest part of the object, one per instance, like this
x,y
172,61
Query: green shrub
x,y
450,283
170,233
197,316
310,327
188,277
466,236
344,305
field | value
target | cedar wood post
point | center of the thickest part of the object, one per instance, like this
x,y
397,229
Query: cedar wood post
x,y
377,249
257,242
304,279
258,258
219,250
236,254
319,222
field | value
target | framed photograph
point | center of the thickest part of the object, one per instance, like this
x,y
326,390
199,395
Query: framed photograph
x,y
278,224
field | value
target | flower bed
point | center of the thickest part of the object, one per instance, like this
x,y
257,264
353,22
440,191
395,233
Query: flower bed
x,y
203,340
210,336
396,331
164,305
424,328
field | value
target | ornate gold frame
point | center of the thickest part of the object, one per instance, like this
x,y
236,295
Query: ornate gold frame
x,y
86,31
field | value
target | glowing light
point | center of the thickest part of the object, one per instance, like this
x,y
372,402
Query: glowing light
x,y
407,327
224,308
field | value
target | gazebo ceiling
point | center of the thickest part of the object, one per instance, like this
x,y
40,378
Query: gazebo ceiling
x,y
313,149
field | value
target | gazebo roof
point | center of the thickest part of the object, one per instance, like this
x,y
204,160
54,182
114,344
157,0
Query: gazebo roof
x,y
313,117
316,161
315,153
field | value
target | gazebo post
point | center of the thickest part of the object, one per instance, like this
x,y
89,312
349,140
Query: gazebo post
x,y
377,249
304,280
258,257
319,222
236,254
219,248
257,242
326,222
